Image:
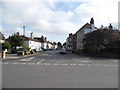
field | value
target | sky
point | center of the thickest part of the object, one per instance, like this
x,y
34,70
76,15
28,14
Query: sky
x,y
55,19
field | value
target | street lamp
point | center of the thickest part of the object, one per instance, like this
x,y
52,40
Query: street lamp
x,y
24,31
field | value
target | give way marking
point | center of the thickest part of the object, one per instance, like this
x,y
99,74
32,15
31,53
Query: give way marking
x,y
27,59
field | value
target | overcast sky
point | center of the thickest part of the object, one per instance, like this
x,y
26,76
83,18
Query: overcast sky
x,y
55,19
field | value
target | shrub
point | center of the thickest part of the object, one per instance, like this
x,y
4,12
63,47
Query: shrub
x,y
26,48
6,45
80,51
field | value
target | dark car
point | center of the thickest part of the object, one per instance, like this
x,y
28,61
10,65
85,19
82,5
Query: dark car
x,y
13,51
63,51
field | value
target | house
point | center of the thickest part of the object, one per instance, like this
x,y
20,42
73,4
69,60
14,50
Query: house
x,y
87,28
43,41
69,42
32,44
75,41
2,38
112,34
45,45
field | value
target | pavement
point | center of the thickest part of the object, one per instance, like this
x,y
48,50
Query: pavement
x,y
15,56
53,70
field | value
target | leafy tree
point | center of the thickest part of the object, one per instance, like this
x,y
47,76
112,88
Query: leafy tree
x,y
59,45
101,39
94,41
6,45
16,40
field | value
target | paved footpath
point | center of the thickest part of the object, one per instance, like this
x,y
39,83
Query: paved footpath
x,y
15,56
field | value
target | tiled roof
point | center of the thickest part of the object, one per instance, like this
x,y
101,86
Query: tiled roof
x,y
28,38
87,25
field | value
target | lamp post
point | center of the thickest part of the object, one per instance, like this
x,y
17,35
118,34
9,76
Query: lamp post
x,y
24,31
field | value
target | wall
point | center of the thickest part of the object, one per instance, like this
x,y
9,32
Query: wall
x,y
33,45
80,35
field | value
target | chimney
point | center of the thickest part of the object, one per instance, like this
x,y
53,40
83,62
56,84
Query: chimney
x,y
111,27
31,35
92,24
70,34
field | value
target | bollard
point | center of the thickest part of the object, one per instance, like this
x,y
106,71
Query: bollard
x,y
3,54
23,53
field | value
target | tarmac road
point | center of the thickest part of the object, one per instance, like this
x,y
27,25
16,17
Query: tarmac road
x,y
53,70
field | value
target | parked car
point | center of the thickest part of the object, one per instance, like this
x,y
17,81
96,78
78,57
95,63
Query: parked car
x,y
63,51
20,51
13,51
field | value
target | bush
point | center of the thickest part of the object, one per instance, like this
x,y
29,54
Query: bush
x,y
6,45
80,51
26,48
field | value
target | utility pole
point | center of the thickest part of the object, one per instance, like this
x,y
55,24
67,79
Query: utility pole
x,y
24,31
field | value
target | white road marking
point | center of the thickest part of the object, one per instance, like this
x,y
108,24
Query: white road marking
x,y
27,59
56,61
15,63
76,59
81,64
85,61
39,64
73,64
64,64
56,64
80,60
47,64
6,63
40,61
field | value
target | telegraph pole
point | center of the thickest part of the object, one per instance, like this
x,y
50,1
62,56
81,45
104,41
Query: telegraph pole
x,y
24,31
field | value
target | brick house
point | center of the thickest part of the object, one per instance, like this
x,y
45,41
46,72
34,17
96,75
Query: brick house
x,y
75,41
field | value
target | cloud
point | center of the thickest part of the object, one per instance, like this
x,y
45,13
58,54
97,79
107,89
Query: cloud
x,y
104,12
46,17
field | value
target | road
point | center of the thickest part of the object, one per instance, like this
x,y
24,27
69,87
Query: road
x,y
53,70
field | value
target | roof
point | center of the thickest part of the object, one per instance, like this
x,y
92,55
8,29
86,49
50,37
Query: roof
x,y
28,38
2,36
40,39
87,25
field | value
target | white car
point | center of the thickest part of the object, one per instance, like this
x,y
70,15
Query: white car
x,y
63,51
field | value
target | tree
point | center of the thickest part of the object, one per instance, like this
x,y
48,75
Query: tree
x,y
64,44
6,45
16,40
59,45
94,41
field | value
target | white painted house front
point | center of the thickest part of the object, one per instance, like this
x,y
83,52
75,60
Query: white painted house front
x,y
33,44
